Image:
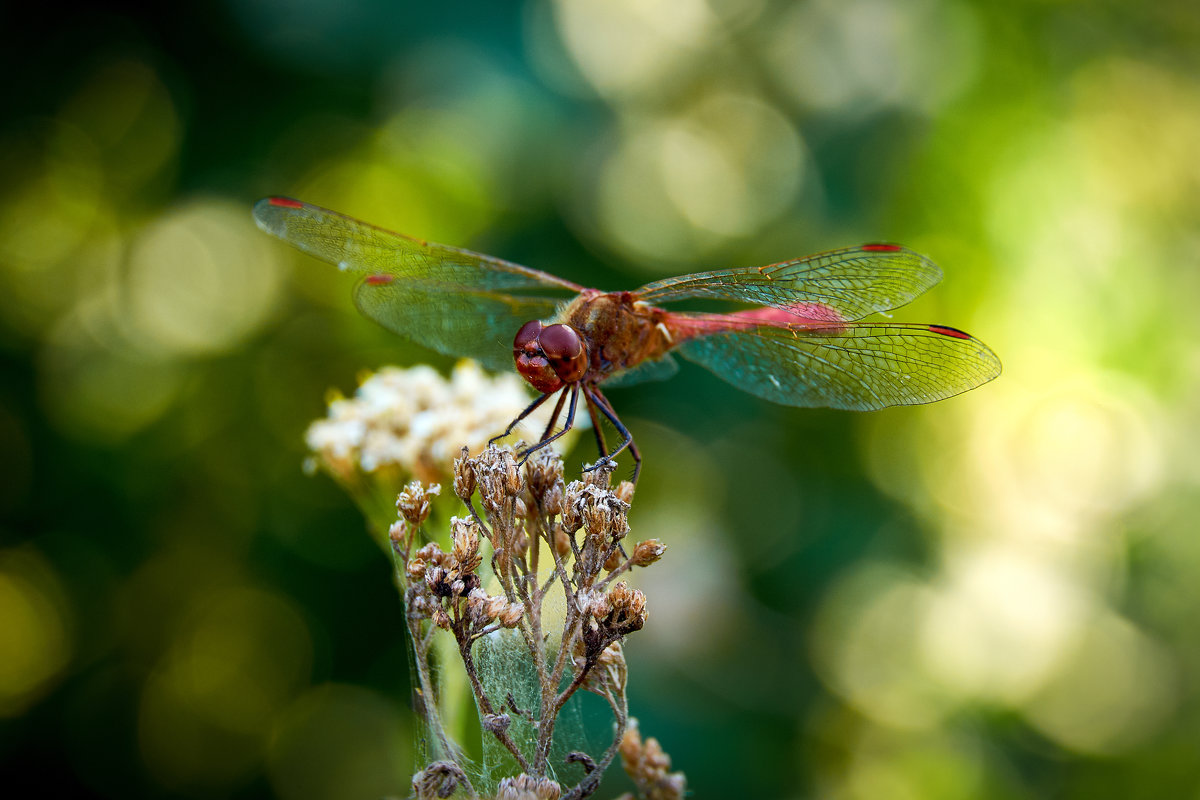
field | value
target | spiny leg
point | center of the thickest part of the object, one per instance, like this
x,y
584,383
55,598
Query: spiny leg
x,y
529,409
601,445
570,423
562,396
602,403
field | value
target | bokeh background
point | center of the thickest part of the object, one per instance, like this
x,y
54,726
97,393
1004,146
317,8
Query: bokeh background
x,y
991,597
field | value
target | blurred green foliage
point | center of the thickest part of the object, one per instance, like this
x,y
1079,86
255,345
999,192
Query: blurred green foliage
x,y
991,597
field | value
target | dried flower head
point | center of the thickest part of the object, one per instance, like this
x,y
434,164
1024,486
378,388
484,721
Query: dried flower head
x,y
647,552
498,477
415,501
464,534
439,780
543,475
527,787
542,539
464,474
596,507
648,766
628,605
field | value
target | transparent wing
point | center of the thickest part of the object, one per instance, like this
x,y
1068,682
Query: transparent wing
x,y
451,300
857,366
839,285
657,370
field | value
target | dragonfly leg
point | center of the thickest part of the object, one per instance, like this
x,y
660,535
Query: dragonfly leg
x,y
596,427
529,409
567,425
562,396
627,438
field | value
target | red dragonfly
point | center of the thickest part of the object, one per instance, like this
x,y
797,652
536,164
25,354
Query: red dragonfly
x,y
800,345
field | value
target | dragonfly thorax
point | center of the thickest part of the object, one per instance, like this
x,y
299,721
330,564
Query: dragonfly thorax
x,y
549,356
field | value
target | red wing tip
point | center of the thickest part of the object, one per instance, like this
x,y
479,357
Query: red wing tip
x,y
379,280
946,330
882,248
284,202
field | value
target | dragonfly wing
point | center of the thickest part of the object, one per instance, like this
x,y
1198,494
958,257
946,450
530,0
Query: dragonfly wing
x,y
657,370
451,300
839,285
860,366
478,324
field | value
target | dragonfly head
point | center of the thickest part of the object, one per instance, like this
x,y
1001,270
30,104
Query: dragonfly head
x,y
549,356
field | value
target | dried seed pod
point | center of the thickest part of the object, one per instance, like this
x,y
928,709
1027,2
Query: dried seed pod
x,y
613,561
464,475
464,532
510,617
414,502
647,552
527,787
415,569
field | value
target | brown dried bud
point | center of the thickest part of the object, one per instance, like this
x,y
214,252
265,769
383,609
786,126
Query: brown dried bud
x,y
598,519
613,656
624,492
552,501
436,580
414,502
440,779
440,617
495,607
599,473
543,472
498,477
521,508
415,569
397,532
527,787
432,554
647,552
572,513
562,542
464,475
628,608
647,765
602,511
510,617
496,723
464,532
613,561
512,475
594,603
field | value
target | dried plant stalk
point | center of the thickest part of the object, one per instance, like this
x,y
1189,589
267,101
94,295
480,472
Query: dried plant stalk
x,y
551,545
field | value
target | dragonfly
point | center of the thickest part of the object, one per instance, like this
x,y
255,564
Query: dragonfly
x,y
801,342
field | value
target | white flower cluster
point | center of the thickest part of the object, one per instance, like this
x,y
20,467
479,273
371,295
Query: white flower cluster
x,y
418,421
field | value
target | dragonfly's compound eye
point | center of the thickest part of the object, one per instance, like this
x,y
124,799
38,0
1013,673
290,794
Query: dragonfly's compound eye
x,y
564,349
531,362
529,333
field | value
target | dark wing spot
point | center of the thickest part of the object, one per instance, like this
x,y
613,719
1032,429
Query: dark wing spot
x,y
946,330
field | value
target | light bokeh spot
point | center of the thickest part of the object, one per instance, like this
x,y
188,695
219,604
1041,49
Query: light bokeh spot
x,y
35,637
675,188
201,279
1116,690
855,56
